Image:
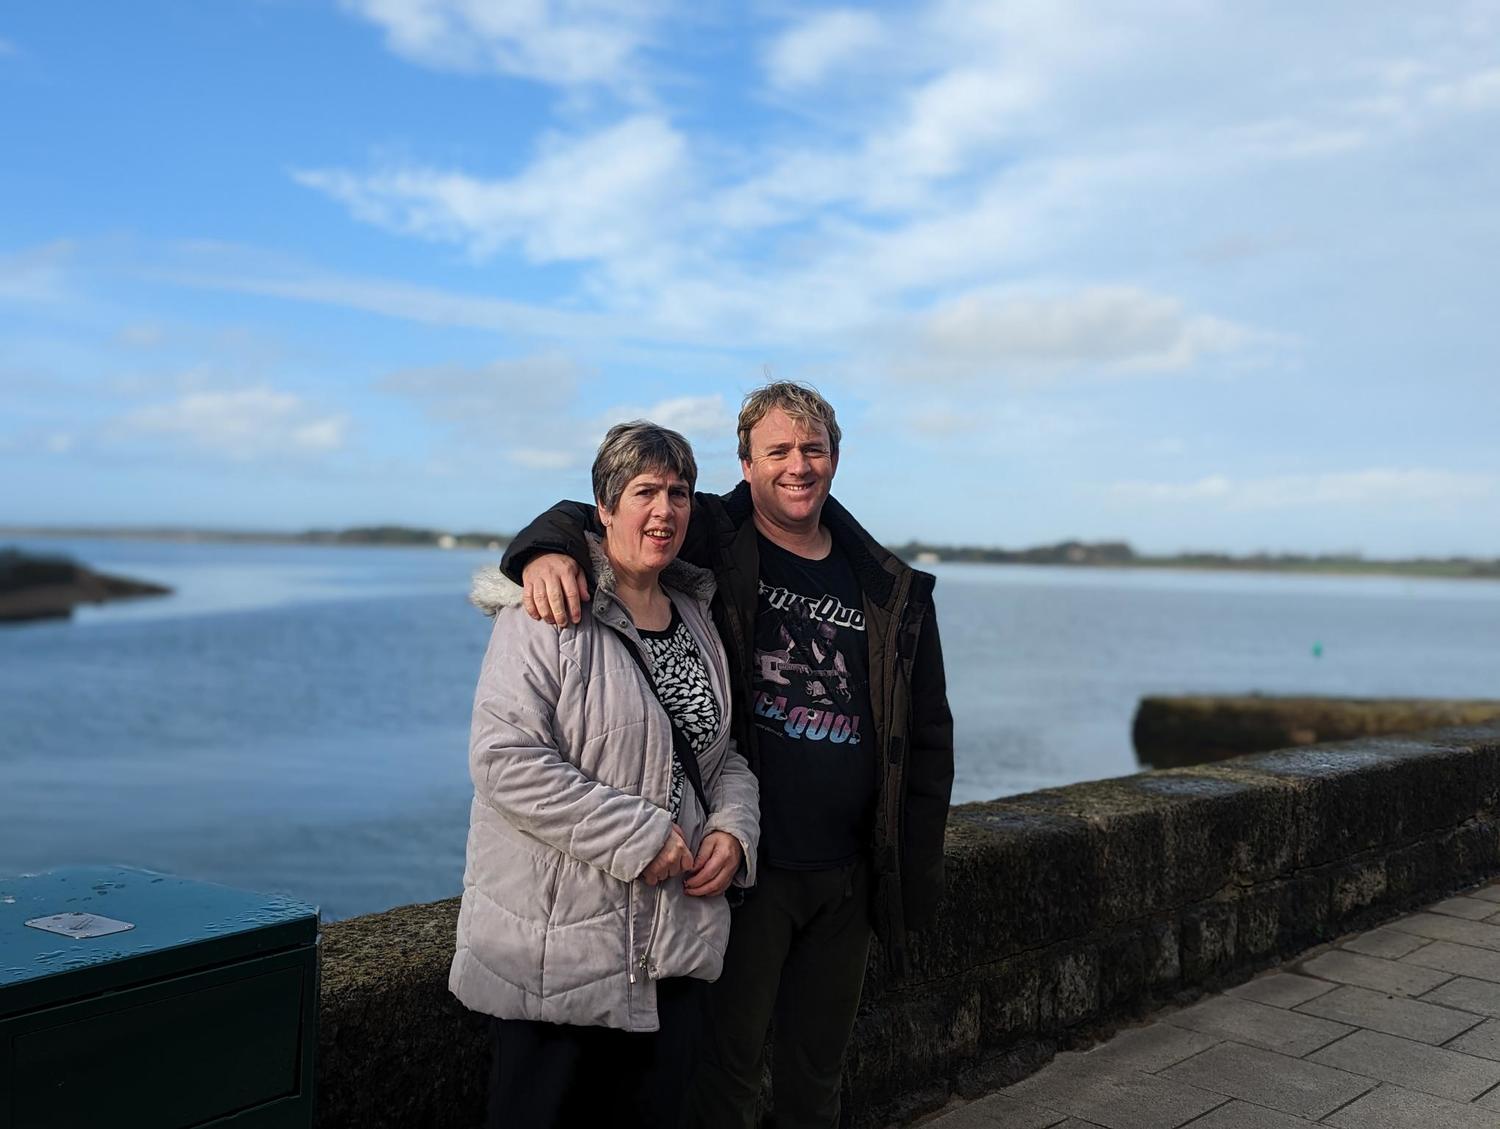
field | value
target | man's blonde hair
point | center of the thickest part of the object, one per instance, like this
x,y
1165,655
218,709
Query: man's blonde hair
x,y
801,402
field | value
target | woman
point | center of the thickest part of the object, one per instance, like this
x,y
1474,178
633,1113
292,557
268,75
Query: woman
x,y
593,910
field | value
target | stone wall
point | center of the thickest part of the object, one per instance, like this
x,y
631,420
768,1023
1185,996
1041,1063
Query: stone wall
x,y
1068,911
1177,731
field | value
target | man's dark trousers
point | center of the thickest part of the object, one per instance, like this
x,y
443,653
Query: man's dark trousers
x,y
798,947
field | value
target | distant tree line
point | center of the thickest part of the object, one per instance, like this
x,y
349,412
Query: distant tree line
x,y
400,535
1120,554
1064,552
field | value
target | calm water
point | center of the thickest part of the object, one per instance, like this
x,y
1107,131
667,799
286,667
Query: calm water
x,y
295,718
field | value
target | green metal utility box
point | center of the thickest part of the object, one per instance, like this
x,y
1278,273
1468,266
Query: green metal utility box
x,y
131,999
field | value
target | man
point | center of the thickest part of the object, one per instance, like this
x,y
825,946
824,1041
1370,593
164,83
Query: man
x,y
842,712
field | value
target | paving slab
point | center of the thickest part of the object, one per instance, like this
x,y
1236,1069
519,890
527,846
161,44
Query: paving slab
x,y
1416,1066
1490,893
1467,994
1483,1040
1441,928
1291,1085
1281,989
998,1111
1389,976
1123,1099
1245,1021
1389,943
1411,1019
1391,1107
1147,1049
1474,909
1463,960
1243,1115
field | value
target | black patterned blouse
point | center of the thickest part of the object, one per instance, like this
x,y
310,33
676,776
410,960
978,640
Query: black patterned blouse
x,y
682,685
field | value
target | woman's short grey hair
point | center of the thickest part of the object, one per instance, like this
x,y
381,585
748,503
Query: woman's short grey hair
x,y
635,448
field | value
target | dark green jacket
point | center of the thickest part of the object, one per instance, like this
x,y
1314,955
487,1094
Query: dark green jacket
x,y
908,692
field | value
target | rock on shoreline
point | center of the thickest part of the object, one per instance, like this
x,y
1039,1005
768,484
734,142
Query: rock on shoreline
x,y
33,587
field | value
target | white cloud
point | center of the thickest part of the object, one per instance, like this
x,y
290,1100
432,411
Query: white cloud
x,y
545,458
7,48
500,399
534,412
1478,91
566,43
980,427
701,416
1380,488
1003,140
804,55
1100,329
1213,486
240,424
1297,136
144,335
36,274
952,120
1375,102
595,196
216,270
521,409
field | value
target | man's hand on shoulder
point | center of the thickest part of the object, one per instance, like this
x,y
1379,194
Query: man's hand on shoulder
x,y
555,589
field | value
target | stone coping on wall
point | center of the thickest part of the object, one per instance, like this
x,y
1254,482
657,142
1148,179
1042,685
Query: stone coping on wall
x,y
1181,730
1067,911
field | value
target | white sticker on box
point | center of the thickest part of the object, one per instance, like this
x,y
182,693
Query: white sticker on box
x,y
79,925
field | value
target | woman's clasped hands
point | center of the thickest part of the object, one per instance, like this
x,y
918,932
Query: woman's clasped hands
x,y
709,874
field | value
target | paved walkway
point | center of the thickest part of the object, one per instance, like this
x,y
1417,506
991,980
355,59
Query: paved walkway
x,y
1390,1029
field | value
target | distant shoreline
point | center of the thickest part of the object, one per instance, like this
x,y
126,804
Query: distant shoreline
x,y
384,536
1105,554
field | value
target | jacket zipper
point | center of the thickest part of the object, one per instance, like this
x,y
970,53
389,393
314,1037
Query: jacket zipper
x,y
630,930
895,772
645,961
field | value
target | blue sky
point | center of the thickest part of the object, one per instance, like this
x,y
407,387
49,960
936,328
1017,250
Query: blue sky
x,y
1190,273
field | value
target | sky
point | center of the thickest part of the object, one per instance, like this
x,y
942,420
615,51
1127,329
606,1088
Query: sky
x,y
1197,274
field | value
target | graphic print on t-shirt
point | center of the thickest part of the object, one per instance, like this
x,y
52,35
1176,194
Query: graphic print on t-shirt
x,y
810,705
803,675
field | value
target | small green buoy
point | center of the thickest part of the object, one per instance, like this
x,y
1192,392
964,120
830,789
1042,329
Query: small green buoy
x,y
1317,648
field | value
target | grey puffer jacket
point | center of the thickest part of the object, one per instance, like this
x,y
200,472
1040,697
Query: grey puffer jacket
x,y
571,755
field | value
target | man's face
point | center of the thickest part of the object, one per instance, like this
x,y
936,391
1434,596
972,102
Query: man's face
x,y
790,471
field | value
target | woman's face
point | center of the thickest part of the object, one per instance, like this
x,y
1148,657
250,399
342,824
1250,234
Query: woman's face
x,y
645,530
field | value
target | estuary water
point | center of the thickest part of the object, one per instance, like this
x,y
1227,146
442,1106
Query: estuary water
x,y
294,718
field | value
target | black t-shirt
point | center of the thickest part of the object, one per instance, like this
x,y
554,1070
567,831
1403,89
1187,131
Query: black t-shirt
x,y
810,702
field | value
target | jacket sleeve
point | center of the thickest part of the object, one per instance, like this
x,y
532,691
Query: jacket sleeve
x,y
518,771
735,798
929,780
561,529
